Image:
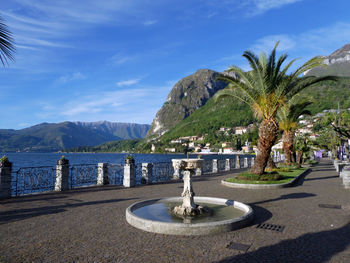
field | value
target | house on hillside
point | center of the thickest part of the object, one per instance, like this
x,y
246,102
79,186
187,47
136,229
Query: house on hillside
x,y
170,150
241,130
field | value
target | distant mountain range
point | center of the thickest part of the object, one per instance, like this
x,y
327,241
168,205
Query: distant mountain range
x,y
59,136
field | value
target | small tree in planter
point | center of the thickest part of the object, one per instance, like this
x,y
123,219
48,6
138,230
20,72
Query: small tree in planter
x,y
129,159
63,161
4,162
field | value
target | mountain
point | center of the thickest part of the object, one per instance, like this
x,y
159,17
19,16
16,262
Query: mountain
x,y
59,136
338,64
188,94
119,129
207,116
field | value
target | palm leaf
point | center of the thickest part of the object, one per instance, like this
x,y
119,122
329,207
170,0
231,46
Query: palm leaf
x,y
6,44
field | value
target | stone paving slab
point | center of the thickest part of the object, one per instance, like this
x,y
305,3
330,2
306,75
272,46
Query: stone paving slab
x,y
88,225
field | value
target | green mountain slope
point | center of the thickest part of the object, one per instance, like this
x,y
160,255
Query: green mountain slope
x,y
230,112
227,112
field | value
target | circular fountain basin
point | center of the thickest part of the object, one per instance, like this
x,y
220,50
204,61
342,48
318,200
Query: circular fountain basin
x,y
155,216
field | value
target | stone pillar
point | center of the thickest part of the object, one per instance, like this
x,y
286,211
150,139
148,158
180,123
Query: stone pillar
x,y
102,176
335,162
129,175
228,165
62,175
199,171
238,163
147,169
245,165
177,164
5,180
346,177
340,168
215,165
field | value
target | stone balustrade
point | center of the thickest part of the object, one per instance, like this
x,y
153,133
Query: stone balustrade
x,y
128,174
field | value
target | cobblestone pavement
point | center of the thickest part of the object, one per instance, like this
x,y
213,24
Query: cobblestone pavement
x,y
88,225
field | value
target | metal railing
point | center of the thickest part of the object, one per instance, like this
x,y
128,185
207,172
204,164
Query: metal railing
x,y
162,171
115,173
82,175
207,166
221,165
27,180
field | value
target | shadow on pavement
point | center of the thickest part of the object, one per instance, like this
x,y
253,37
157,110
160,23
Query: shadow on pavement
x,y
21,214
312,247
261,214
321,178
287,196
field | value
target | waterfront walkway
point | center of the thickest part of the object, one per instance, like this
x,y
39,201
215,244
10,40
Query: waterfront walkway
x,y
88,225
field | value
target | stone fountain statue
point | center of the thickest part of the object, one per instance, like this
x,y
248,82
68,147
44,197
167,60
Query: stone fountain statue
x,y
188,207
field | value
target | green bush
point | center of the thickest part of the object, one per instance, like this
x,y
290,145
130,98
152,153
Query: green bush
x,y
273,176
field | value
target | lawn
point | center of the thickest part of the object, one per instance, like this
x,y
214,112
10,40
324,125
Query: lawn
x,y
285,178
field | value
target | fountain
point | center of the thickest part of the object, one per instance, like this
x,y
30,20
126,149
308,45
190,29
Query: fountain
x,y
189,215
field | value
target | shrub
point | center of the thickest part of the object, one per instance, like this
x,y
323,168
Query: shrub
x,y
272,176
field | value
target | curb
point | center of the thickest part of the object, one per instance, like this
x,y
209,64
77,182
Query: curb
x,y
264,186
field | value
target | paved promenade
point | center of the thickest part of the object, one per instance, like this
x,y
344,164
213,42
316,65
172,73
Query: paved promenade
x,y
89,225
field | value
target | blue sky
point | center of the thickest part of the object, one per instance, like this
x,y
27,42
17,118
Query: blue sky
x,y
91,60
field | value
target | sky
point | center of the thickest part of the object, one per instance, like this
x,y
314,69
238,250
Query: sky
x,y
117,60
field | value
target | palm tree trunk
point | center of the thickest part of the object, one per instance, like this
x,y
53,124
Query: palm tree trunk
x,y
270,163
268,131
288,142
299,158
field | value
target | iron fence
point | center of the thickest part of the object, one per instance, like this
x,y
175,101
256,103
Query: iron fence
x,y
27,180
82,175
221,165
115,173
207,166
163,171
138,173
232,163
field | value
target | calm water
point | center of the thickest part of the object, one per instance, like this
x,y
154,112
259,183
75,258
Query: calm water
x,y
49,159
161,211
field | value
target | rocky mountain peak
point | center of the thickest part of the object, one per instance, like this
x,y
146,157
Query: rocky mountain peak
x,y
339,56
187,95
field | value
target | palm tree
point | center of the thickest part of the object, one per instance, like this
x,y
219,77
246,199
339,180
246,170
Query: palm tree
x,y
7,47
287,117
266,88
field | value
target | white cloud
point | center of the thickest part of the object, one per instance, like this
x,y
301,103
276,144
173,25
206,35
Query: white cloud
x,y
127,82
305,45
268,43
119,59
319,41
262,6
102,101
150,22
71,77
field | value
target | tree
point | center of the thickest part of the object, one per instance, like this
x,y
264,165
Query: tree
x,y
266,88
7,47
287,117
302,146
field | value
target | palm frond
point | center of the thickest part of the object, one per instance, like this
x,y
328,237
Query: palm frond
x,y
7,47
